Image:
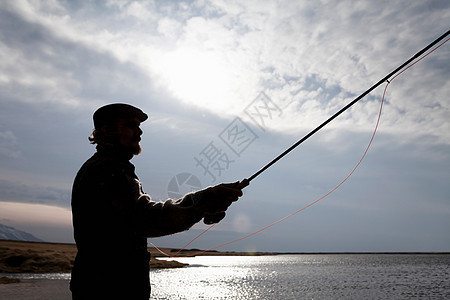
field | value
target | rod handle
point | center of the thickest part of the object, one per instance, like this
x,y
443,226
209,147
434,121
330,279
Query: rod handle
x,y
243,183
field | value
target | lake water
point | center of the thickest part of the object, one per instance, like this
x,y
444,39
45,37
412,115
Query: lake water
x,y
285,277
306,277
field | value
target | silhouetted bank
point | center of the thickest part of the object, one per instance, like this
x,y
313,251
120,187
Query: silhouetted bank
x,y
38,257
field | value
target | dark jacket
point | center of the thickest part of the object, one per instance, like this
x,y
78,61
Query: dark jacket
x,y
112,217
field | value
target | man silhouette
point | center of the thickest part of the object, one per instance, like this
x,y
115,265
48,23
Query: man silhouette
x,y
112,216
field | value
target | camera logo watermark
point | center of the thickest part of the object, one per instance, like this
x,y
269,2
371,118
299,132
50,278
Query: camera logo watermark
x,y
183,184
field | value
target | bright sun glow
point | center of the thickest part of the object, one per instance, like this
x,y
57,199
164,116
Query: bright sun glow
x,y
201,78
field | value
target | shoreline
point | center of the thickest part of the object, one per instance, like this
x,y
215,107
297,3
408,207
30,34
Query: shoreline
x,y
45,257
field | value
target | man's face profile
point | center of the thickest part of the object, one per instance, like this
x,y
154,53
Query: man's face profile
x,y
129,134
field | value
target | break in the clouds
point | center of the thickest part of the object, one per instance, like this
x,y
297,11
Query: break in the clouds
x,y
194,66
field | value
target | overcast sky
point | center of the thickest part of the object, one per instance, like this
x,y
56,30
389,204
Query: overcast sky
x,y
228,85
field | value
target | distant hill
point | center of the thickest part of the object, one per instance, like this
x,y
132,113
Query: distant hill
x,y
10,233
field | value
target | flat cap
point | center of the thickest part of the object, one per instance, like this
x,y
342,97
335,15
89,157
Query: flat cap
x,y
108,114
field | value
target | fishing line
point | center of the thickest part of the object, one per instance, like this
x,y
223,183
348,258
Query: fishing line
x,y
388,79
296,212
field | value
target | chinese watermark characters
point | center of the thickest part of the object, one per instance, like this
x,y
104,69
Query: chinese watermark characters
x,y
237,137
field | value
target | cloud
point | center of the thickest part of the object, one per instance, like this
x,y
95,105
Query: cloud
x,y
311,58
37,214
50,223
196,66
8,142
21,192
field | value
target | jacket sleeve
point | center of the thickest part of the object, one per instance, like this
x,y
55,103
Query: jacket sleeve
x,y
163,218
154,219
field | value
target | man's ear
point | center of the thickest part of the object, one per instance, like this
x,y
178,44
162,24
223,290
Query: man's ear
x,y
106,134
107,131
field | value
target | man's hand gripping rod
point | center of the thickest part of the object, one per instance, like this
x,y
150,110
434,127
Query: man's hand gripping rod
x,y
212,219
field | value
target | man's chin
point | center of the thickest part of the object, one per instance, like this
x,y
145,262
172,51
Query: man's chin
x,y
135,150
138,150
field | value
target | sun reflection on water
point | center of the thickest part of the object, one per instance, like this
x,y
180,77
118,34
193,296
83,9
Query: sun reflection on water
x,y
223,277
208,277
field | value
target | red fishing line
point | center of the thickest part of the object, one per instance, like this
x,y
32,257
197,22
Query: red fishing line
x,y
389,81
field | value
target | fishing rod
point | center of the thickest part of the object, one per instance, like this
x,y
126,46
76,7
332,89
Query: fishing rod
x,y
211,219
246,182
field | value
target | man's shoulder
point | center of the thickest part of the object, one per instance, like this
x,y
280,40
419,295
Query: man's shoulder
x,y
107,163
